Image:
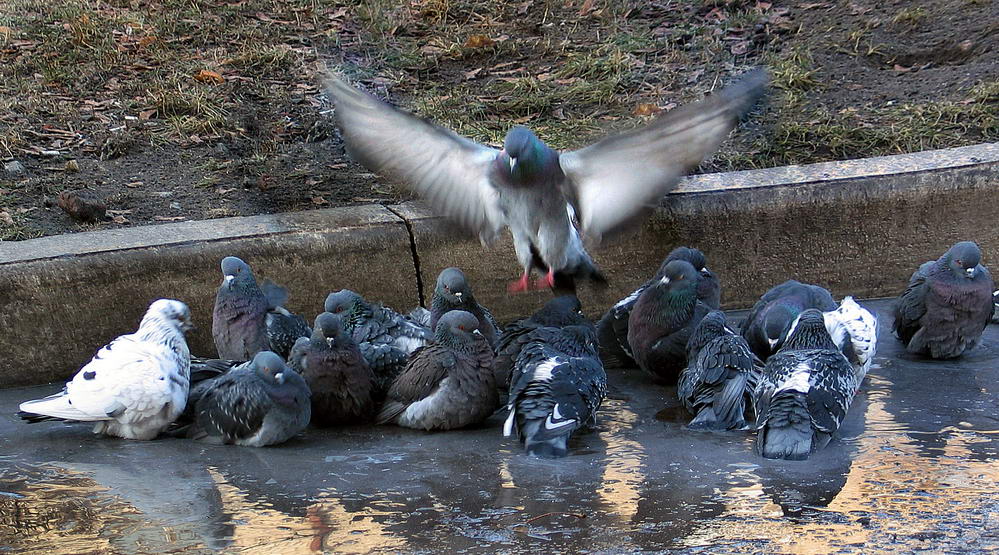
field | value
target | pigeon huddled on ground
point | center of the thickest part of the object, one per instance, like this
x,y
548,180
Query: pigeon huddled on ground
x,y
447,384
947,305
721,376
135,386
453,292
768,323
540,194
557,385
663,319
248,318
805,392
612,329
261,402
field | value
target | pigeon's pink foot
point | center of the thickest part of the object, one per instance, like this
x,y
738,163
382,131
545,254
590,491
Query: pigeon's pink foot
x,y
547,282
519,286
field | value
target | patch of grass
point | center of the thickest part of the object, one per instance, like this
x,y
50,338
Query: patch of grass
x,y
190,108
912,16
795,70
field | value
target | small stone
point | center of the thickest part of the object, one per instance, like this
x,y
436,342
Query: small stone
x,y
14,168
175,205
72,166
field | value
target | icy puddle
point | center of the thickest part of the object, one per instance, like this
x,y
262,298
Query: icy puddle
x,y
913,469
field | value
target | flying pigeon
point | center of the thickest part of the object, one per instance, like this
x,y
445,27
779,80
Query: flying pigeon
x,y
805,392
767,325
612,329
452,292
542,195
259,403
564,310
385,337
248,319
448,384
854,329
342,383
135,386
721,376
947,305
662,321
557,385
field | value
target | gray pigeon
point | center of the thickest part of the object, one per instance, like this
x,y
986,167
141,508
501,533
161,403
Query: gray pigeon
x,y
259,403
557,385
453,292
662,321
805,392
342,383
385,337
448,384
135,386
564,310
947,305
248,319
612,329
718,384
539,193
769,321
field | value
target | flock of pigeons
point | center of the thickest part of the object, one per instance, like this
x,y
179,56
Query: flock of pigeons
x,y
790,373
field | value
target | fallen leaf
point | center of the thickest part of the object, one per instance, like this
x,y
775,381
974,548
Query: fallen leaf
x,y
6,218
147,114
169,218
471,74
740,47
586,7
208,76
319,201
854,86
146,41
646,109
479,41
763,6
72,166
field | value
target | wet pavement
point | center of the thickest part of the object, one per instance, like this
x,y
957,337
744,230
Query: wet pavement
x,y
914,468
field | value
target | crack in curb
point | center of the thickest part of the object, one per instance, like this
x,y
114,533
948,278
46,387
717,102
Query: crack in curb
x,y
416,255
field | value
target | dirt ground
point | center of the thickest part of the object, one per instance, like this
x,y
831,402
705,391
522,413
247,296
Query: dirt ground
x,y
167,110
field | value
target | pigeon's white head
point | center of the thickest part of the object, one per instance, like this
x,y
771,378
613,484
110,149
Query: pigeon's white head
x,y
171,311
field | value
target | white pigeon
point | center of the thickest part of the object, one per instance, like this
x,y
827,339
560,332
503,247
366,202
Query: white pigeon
x,y
859,325
135,386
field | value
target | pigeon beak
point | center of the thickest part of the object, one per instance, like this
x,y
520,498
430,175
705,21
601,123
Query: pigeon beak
x,y
664,280
228,280
279,377
476,332
329,341
970,272
457,294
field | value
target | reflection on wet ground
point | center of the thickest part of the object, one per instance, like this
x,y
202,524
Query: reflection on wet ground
x,y
914,469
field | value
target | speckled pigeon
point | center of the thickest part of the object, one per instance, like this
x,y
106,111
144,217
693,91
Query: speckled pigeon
x,y
995,311
947,305
721,376
248,319
767,325
385,337
564,310
805,392
448,384
342,384
453,292
612,329
135,386
662,320
557,385
855,330
259,403
539,193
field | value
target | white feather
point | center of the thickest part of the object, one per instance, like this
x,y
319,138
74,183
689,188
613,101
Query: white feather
x,y
414,414
543,371
408,344
508,425
862,327
798,380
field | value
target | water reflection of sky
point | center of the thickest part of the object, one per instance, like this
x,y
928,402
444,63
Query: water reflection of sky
x,y
914,469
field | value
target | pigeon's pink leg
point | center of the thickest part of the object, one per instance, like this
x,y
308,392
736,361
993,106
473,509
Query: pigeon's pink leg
x,y
547,282
519,286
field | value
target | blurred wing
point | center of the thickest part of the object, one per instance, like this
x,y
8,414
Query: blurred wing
x,y
447,170
624,176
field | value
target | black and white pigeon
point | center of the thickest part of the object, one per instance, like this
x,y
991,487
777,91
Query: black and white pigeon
x,y
769,321
453,292
995,311
805,392
540,194
449,383
248,318
385,337
662,321
557,385
342,384
564,310
612,329
855,330
135,386
721,376
261,402
947,305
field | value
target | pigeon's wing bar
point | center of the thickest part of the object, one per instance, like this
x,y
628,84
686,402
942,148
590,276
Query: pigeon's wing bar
x,y
623,176
447,170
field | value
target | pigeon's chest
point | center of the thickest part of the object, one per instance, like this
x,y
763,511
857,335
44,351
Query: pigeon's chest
x,y
964,297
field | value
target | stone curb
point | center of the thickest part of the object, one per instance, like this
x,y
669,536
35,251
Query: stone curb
x,y
858,227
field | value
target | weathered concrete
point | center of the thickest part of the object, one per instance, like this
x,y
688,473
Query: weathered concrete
x,y
63,297
858,227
